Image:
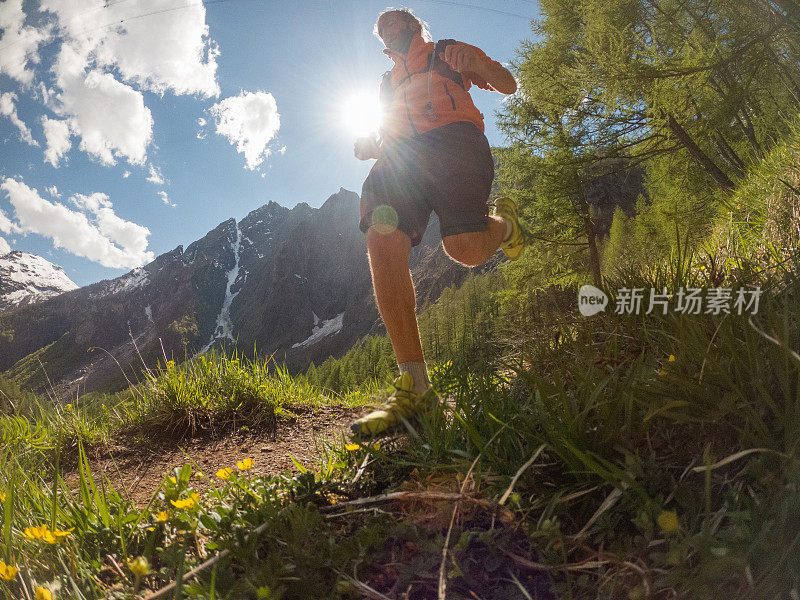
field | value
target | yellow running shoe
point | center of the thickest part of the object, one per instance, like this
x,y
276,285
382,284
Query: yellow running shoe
x,y
514,245
402,404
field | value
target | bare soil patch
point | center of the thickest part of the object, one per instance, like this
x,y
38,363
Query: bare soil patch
x,y
136,468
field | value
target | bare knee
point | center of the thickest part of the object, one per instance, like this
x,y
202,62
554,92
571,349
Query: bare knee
x,y
465,248
384,247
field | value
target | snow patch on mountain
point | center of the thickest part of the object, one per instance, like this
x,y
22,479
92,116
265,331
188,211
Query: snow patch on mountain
x,y
28,278
224,326
322,329
130,281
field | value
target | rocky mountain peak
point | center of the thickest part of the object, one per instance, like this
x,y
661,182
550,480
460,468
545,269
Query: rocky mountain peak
x,y
343,201
29,278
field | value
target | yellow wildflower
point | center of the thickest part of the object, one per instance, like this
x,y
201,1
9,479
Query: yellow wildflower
x,y
49,537
376,446
671,358
139,566
43,594
162,516
662,372
245,464
667,520
2,497
173,480
352,447
225,473
35,533
7,572
54,537
186,502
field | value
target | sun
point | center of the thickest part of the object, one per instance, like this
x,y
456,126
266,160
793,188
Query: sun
x,y
361,113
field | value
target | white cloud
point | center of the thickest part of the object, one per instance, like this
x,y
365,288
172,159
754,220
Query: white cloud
x,y
102,236
109,117
126,234
155,176
201,135
282,150
249,121
8,109
159,46
7,226
43,93
53,191
165,198
110,52
126,174
19,43
4,247
57,134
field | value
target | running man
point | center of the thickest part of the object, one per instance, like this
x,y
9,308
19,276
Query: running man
x,y
432,155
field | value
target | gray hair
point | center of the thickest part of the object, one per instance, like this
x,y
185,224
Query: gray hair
x,y
409,17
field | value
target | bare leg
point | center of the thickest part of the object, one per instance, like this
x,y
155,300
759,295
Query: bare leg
x,y
394,291
475,248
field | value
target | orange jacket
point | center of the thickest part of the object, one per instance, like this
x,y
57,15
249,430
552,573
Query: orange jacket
x,y
411,85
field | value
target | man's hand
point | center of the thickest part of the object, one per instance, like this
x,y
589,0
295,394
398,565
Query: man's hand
x,y
366,148
463,57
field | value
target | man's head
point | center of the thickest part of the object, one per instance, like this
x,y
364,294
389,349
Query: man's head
x,y
395,26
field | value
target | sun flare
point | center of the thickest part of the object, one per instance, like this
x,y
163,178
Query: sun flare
x,y
361,113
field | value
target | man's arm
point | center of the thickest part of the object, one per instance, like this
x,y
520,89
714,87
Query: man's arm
x,y
463,57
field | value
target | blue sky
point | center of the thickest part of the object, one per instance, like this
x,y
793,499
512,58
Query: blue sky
x,y
124,134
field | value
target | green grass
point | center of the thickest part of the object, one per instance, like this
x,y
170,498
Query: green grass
x,y
621,435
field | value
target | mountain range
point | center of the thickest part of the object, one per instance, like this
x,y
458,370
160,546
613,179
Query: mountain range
x,y
289,283
292,283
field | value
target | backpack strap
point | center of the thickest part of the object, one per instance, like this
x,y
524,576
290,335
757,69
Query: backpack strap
x,y
441,67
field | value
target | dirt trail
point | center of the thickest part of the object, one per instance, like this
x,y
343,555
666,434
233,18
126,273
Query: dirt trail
x,y
137,470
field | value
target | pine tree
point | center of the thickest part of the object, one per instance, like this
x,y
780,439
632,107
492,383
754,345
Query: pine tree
x,y
694,89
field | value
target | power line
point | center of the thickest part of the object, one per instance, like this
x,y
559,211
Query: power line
x,y
483,8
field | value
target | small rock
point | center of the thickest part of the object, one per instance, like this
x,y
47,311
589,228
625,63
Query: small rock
x,y
266,449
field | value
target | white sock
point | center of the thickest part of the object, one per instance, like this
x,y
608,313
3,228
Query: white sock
x,y
419,371
509,229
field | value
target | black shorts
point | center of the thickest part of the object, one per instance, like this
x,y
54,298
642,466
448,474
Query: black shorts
x,y
448,170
